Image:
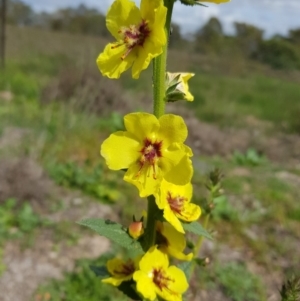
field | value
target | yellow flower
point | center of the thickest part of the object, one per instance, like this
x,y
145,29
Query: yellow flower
x,y
181,90
120,270
155,277
150,149
140,36
170,241
174,200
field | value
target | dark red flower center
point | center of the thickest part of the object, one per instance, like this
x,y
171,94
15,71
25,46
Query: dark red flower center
x,y
160,279
176,203
150,154
125,269
132,36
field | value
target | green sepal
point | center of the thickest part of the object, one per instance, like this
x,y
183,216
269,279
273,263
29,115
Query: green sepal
x,y
200,261
191,3
174,82
113,231
172,88
175,96
127,288
100,272
196,228
190,245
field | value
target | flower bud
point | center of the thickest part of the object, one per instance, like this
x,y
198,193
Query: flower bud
x,y
177,87
136,229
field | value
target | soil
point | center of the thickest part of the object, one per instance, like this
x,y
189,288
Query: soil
x,y
209,139
26,269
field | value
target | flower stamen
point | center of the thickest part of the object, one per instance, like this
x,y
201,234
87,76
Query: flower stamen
x,y
132,36
176,203
160,279
151,152
127,268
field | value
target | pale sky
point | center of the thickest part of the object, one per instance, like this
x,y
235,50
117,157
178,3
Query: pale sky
x,y
274,16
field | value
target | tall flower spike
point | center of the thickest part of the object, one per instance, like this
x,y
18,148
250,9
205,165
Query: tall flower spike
x,y
155,277
140,36
174,200
150,149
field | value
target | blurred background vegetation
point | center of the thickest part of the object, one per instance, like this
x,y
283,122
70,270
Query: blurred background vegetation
x,y
56,108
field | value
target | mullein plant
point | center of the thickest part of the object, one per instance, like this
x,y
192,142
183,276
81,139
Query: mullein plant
x,y
152,152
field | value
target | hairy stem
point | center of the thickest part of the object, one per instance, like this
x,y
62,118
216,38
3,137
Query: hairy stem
x,y
198,245
150,227
159,91
159,68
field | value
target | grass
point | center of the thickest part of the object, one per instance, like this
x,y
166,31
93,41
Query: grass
x,y
239,284
222,99
234,280
228,100
18,223
89,179
79,285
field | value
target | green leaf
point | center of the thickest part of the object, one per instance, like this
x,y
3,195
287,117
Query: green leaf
x,y
196,228
186,267
127,288
100,272
113,231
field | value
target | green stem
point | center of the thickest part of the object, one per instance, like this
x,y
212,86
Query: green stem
x,y
150,227
160,66
159,91
201,238
199,244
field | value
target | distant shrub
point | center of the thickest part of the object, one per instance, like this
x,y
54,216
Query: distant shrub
x,y
248,38
280,54
85,90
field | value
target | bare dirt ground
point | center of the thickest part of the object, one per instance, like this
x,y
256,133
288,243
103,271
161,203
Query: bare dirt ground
x,y
27,268
209,139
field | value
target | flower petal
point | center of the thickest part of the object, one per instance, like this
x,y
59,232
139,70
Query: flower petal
x,y
121,13
158,33
179,255
115,281
182,173
180,284
176,243
149,7
110,61
191,212
120,150
172,129
145,285
172,219
144,182
141,125
145,54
